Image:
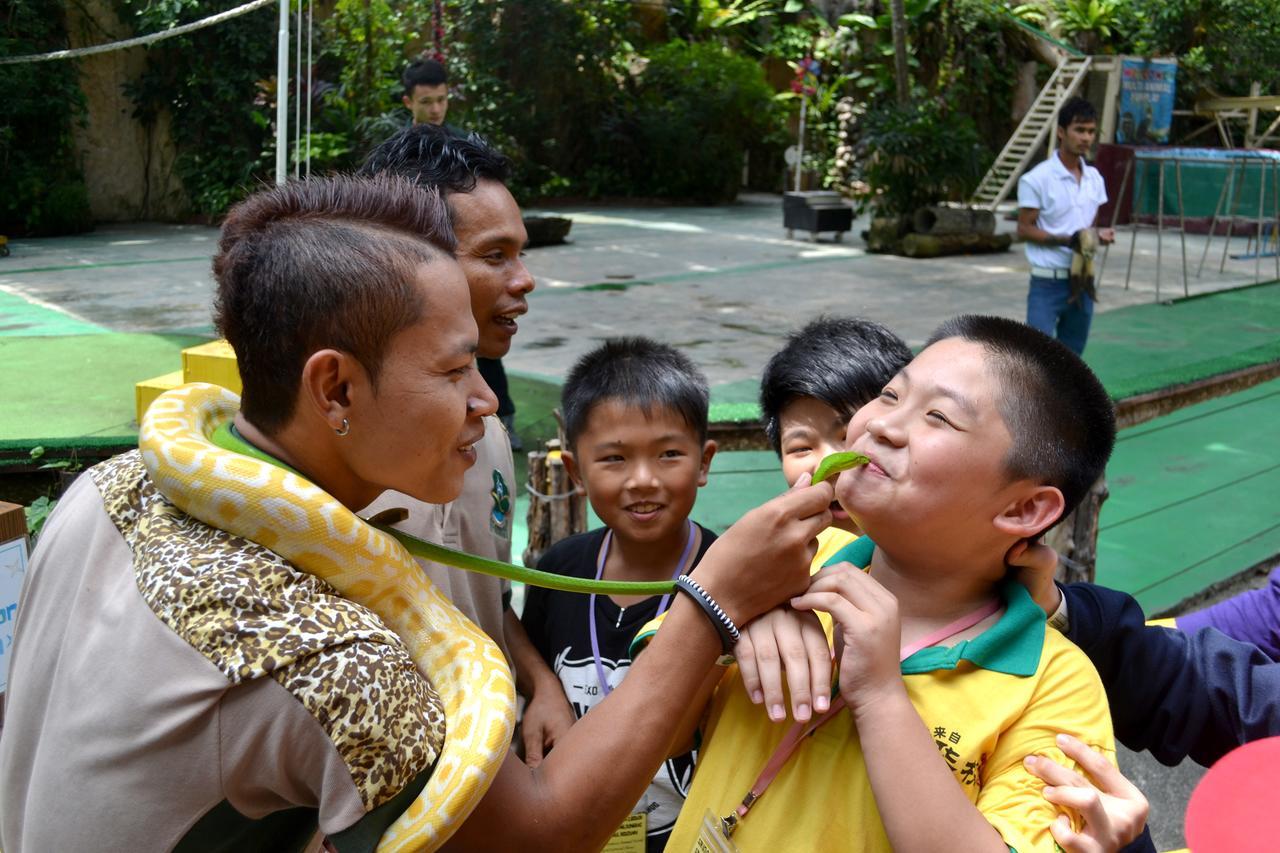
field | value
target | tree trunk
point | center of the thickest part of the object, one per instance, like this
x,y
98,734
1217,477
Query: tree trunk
x,y
1025,90
900,52
930,246
938,220
885,234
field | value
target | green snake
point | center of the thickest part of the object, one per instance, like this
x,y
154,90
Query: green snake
x,y
208,472
830,466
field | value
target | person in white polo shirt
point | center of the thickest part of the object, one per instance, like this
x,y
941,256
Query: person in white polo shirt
x,y
1056,201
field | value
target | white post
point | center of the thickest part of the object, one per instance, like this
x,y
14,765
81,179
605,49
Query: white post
x,y
804,106
282,95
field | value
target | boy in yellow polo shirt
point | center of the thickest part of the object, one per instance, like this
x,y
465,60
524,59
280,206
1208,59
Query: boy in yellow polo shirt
x,y
948,675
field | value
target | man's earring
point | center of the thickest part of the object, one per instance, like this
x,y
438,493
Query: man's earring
x,y
346,427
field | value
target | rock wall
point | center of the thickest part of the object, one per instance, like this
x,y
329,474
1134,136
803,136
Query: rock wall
x,y
128,168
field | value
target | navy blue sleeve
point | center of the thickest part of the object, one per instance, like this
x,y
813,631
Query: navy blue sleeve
x,y
1173,694
1142,844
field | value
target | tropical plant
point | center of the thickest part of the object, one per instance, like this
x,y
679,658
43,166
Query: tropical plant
x,y
1222,45
548,100
41,189
1090,22
920,155
697,110
208,81
697,20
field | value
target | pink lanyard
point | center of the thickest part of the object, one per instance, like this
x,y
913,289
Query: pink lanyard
x,y
682,567
800,731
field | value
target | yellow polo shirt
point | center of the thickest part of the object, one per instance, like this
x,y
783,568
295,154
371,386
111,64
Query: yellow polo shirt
x,y
833,543
988,702
830,542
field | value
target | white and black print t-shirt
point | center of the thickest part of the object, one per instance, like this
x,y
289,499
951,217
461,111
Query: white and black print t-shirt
x,y
558,624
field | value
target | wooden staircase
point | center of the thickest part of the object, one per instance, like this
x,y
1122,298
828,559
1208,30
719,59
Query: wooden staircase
x,y
1032,131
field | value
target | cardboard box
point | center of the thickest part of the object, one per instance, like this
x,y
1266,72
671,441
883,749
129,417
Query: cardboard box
x,y
146,391
13,521
214,362
13,568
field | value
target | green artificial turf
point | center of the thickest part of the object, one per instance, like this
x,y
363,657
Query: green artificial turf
x,y
77,390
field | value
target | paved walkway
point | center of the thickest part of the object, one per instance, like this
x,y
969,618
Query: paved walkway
x,y
721,283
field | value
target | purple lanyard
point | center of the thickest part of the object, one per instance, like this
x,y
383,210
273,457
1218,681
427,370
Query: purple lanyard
x,y
681,568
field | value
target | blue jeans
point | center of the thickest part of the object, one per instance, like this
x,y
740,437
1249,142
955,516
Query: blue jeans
x,y
1049,311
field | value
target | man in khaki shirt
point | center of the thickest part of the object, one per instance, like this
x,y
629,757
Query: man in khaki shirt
x,y
491,239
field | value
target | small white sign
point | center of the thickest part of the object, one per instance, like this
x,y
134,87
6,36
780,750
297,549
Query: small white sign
x,y
791,155
13,568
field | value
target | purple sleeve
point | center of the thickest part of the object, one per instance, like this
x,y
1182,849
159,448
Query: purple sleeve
x,y
1250,617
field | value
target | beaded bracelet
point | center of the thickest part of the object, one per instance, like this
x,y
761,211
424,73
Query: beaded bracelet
x,y
719,619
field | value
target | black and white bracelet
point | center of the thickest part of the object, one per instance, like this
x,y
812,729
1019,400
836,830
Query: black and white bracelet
x,y
719,619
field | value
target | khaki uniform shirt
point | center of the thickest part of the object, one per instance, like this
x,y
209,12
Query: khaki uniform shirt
x,y
479,522
152,699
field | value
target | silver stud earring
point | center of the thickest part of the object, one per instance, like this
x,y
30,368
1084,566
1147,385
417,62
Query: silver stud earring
x,y
346,427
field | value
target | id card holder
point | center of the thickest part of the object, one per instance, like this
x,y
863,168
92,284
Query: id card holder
x,y
630,837
713,835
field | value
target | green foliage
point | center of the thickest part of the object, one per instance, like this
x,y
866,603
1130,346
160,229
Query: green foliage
x,y
919,155
208,81
41,189
366,46
218,85
959,62
698,20
1222,45
697,108
37,514
542,80
1090,22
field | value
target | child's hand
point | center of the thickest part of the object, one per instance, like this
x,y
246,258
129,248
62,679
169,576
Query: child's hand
x,y
1114,811
546,718
1036,563
867,635
786,639
763,559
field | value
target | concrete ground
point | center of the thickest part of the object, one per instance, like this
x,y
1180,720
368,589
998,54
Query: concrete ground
x,y
721,283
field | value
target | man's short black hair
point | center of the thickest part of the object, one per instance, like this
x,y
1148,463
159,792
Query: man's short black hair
x,y
1076,109
424,72
1062,421
636,372
434,157
842,361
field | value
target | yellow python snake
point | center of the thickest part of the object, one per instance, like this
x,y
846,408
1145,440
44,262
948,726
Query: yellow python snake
x,y
282,511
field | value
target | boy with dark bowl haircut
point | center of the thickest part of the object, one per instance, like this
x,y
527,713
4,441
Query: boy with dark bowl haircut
x,y
635,417
812,386
948,676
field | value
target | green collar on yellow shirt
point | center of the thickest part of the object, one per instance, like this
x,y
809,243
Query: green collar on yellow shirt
x,y
1011,646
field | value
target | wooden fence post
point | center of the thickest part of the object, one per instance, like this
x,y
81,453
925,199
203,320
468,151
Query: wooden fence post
x,y
556,510
1076,538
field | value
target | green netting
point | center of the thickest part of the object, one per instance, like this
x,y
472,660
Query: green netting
x,y
1202,187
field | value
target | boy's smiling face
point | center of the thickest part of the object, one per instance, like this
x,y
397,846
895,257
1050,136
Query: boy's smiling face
x,y
938,447
809,430
641,471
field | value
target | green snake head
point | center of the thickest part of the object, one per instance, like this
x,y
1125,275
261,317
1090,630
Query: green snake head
x,y
836,462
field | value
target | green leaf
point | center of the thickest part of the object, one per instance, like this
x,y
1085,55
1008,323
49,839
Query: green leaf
x,y
37,513
860,20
